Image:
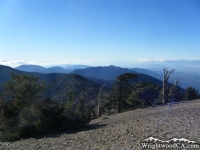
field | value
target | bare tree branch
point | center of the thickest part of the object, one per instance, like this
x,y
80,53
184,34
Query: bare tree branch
x,y
166,76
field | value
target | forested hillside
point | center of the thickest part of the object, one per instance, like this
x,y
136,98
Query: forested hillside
x,y
81,86
57,85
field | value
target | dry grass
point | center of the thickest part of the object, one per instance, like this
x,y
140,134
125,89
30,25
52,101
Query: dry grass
x,y
125,130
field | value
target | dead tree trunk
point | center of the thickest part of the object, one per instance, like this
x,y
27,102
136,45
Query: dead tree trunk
x,y
166,76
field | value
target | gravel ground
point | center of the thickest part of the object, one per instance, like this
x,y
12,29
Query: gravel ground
x,y
123,131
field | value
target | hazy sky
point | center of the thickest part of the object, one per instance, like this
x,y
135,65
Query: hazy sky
x,y
90,31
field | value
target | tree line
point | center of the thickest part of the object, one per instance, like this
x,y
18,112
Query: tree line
x,y
128,93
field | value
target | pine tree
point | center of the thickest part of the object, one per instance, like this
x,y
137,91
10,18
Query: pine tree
x,y
22,91
175,93
120,92
191,93
143,94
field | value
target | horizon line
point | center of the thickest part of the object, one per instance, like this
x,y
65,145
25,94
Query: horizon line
x,y
16,63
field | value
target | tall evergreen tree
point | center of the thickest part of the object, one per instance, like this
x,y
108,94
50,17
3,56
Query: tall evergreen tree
x,y
22,91
121,90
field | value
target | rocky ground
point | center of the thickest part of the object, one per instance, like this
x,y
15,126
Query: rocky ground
x,y
123,131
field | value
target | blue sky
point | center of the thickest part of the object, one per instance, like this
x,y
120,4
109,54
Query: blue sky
x,y
95,31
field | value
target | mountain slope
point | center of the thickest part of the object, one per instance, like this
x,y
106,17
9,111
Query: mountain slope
x,y
5,74
81,86
111,72
107,83
148,72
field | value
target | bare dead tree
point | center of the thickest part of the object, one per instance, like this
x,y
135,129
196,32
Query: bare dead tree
x,y
166,76
99,101
177,82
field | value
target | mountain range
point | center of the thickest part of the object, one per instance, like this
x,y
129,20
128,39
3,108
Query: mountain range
x,y
111,72
5,74
102,75
188,76
59,84
54,69
84,83
40,69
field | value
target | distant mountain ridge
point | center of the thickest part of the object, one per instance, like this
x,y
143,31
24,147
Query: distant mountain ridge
x,y
111,72
5,74
74,67
40,69
187,78
105,73
54,69
148,72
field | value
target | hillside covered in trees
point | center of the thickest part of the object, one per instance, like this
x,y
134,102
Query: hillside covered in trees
x,y
25,114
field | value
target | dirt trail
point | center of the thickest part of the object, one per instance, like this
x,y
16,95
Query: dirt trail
x,y
124,131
